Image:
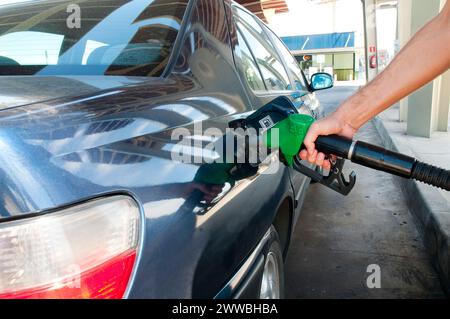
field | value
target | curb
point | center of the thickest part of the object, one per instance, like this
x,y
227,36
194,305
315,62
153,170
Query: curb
x,y
429,208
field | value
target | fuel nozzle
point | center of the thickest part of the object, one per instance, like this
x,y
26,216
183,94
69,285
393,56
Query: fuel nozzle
x,y
292,132
285,129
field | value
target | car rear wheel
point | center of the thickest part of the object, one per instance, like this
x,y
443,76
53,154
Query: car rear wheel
x,y
272,282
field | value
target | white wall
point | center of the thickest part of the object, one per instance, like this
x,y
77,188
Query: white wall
x,y
303,17
387,30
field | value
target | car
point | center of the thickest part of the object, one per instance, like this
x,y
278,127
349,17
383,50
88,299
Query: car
x,y
93,203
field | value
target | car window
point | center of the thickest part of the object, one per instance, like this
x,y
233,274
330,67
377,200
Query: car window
x,y
292,64
273,72
250,69
114,37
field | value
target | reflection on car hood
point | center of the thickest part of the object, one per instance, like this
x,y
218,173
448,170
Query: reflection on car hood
x,y
22,90
118,139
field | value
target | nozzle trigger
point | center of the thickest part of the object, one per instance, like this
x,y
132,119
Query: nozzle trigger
x,y
335,180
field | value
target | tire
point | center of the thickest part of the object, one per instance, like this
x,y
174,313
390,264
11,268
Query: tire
x,y
272,281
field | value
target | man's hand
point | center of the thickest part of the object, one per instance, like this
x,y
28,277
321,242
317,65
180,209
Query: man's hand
x,y
332,124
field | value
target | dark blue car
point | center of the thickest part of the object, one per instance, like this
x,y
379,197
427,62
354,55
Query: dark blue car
x,y
93,203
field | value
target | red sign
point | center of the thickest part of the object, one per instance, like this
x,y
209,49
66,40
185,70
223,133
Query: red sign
x,y
372,49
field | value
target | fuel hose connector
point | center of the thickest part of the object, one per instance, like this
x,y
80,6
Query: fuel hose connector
x,y
431,175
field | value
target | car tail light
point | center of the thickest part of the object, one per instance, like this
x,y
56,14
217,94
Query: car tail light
x,y
85,251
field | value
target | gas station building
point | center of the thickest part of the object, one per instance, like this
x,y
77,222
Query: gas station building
x,y
333,53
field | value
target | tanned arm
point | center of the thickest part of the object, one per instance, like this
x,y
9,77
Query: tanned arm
x,y
426,56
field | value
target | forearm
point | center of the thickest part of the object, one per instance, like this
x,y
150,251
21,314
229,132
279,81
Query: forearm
x,y
424,58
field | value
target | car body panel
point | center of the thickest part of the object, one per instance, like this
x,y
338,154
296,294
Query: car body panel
x,y
22,90
115,135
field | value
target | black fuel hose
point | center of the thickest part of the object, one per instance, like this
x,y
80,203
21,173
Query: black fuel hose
x,y
381,159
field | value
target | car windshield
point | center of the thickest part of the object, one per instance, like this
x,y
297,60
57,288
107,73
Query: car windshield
x,y
85,37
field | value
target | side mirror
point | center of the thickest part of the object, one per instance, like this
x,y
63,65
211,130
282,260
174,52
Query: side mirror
x,y
321,81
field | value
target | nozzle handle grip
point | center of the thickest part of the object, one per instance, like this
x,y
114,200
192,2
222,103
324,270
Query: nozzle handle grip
x,y
381,159
368,155
334,145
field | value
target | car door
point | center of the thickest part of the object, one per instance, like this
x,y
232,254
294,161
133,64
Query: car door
x,y
195,246
304,99
261,68
257,46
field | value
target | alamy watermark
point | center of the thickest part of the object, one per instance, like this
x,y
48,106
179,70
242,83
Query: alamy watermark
x,y
374,279
234,146
73,20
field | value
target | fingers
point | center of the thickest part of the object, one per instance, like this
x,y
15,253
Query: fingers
x,y
316,159
326,126
312,158
320,159
326,165
304,155
310,138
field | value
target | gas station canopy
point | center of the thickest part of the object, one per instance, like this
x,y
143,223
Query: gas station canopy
x,y
262,8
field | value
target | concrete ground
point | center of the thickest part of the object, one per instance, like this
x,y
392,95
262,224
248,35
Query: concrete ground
x,y
338,237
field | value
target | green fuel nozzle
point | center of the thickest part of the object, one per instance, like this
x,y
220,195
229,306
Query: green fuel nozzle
x,y
288,135
285,129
